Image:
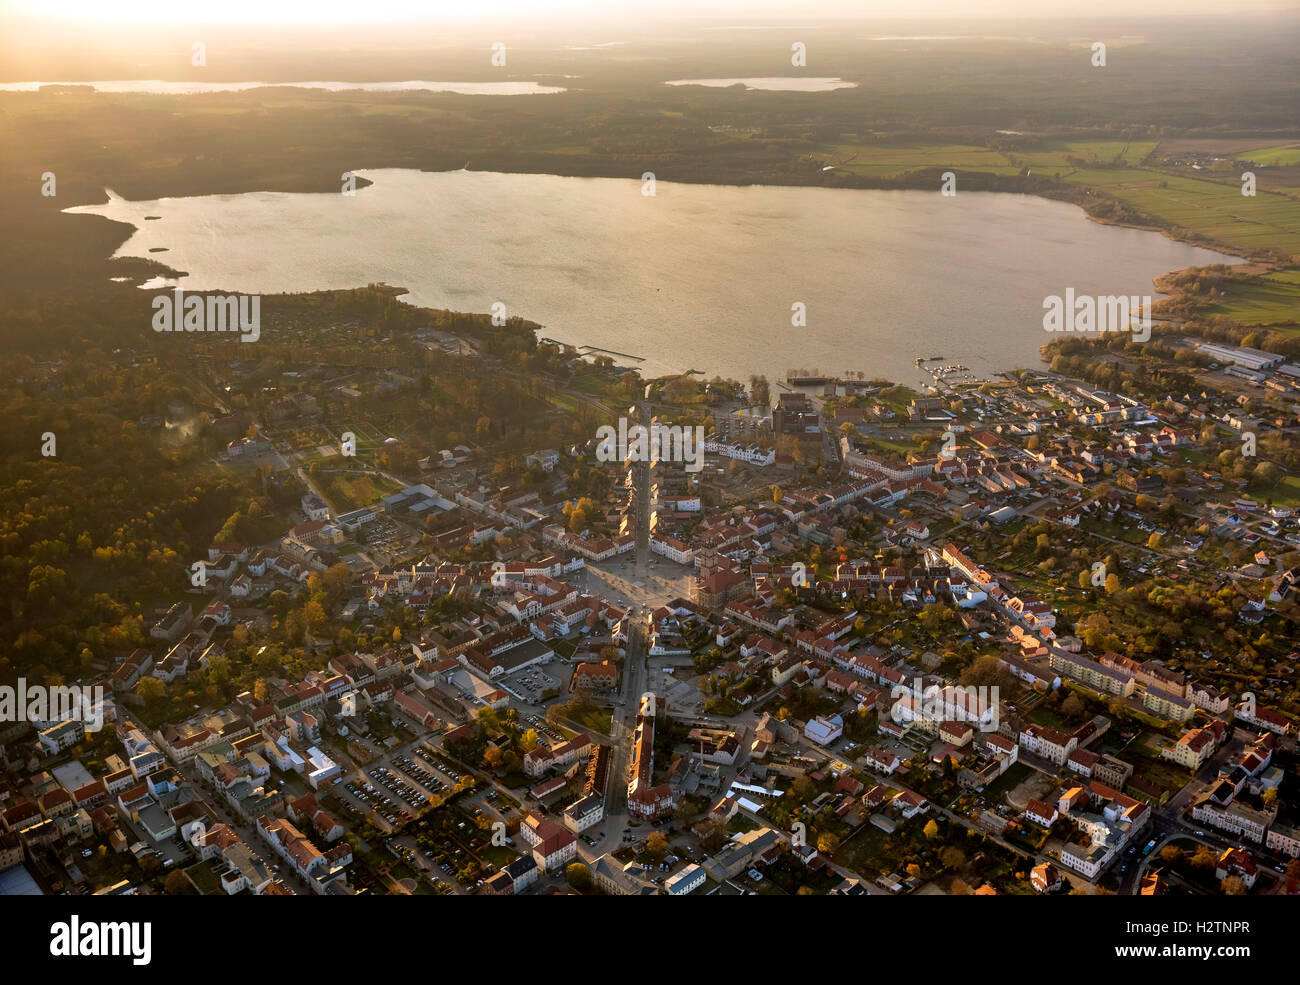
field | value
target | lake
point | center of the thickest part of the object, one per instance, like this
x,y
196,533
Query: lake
x,y
697,276
162,88
775,84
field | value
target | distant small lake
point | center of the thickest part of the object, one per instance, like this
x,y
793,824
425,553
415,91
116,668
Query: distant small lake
x,y
792,84
162,88
696,277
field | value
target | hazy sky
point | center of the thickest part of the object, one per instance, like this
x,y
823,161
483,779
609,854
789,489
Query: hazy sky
x,y
164,13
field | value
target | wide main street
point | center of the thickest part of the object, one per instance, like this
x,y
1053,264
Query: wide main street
x,y
622,727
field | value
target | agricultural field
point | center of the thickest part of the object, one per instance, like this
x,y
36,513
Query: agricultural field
x,y
1212,206
1062,154
873,160
1215,209
888,162
1285,156
1274,300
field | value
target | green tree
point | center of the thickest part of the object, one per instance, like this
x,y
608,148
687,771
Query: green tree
x,y
1073,706
151,690
578,876
656,845
952,857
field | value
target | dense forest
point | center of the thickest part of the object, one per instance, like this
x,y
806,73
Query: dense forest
x,y
108,458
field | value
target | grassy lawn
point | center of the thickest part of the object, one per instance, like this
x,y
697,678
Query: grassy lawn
x,y
900,448
1106,528
1042,715
1150,744
595,719
1167,774
897,397
864,851
346,491
498,855
1286,492
207,880
593,383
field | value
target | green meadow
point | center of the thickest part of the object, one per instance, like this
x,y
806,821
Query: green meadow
x,y
1273,300
1211,206
1217,210
1285,156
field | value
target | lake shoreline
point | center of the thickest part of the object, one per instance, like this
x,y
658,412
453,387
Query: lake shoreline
x,y
1070,195
1004,251
1081,197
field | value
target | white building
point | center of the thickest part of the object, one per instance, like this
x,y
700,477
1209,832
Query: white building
x,y
750,454
687,881
823,730
584,813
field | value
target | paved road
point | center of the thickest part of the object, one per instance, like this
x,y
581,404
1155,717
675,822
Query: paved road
x,y
622,726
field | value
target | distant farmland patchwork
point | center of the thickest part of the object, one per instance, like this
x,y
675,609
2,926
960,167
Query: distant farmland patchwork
x,y
1212,206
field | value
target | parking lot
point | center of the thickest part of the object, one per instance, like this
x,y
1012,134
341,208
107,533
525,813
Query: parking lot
x,y
386,795
383,536
540,726
397,789
532,683
436,766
